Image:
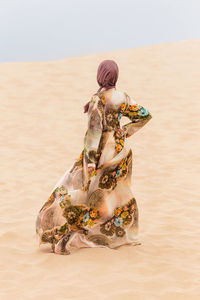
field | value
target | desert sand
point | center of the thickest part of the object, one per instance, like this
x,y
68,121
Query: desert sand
x,y
42,130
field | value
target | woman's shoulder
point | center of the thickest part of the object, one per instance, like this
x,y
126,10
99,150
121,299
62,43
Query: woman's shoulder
x,y
128,99
118,94
120,97
97,101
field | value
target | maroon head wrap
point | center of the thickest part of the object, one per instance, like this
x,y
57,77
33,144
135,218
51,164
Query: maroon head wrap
x,y
107,75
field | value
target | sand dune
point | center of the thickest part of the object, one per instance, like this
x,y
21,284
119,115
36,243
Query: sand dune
x,y
42,129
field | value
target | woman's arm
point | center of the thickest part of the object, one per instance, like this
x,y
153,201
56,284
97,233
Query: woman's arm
x,y
94,132
138,115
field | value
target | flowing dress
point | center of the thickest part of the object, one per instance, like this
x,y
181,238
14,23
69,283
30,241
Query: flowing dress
x,y
97,209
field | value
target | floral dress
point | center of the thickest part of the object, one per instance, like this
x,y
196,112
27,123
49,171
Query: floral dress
x,y
97,209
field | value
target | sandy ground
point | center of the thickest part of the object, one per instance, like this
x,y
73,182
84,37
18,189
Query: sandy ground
x,y
42,129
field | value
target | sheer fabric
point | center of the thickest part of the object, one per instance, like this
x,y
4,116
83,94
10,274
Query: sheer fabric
x,y
98,208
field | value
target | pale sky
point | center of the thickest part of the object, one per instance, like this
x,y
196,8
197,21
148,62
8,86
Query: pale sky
x,y
42,30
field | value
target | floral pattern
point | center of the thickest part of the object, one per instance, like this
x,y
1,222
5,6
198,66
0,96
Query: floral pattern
x,y
122,217
96,208
111,117
96,199
109,178
80,214
54,235
85,216
134,111
119,136
61,193
101,102
138,115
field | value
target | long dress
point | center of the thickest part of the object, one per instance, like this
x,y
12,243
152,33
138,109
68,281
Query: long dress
x,y
98,208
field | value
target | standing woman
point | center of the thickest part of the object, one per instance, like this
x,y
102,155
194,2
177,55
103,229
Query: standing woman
x,y
92,204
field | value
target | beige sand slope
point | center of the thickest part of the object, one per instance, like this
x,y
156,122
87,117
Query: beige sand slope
x,y
42,129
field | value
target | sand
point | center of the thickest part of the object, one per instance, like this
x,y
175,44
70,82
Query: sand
x,y
42,129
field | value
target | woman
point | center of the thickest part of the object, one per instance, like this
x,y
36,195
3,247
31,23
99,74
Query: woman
x,y
92,204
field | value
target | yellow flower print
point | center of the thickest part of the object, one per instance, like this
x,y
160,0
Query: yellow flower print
x,y
124,214
102,99
121,163
121,142
117,212
123,107
90,222
124,167
134,107
93,173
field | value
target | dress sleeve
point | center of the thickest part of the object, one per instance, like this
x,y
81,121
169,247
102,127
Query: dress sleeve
x,y
94,132
138,115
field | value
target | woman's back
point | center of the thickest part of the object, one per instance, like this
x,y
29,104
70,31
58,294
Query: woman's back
x,y
113,97
97,208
